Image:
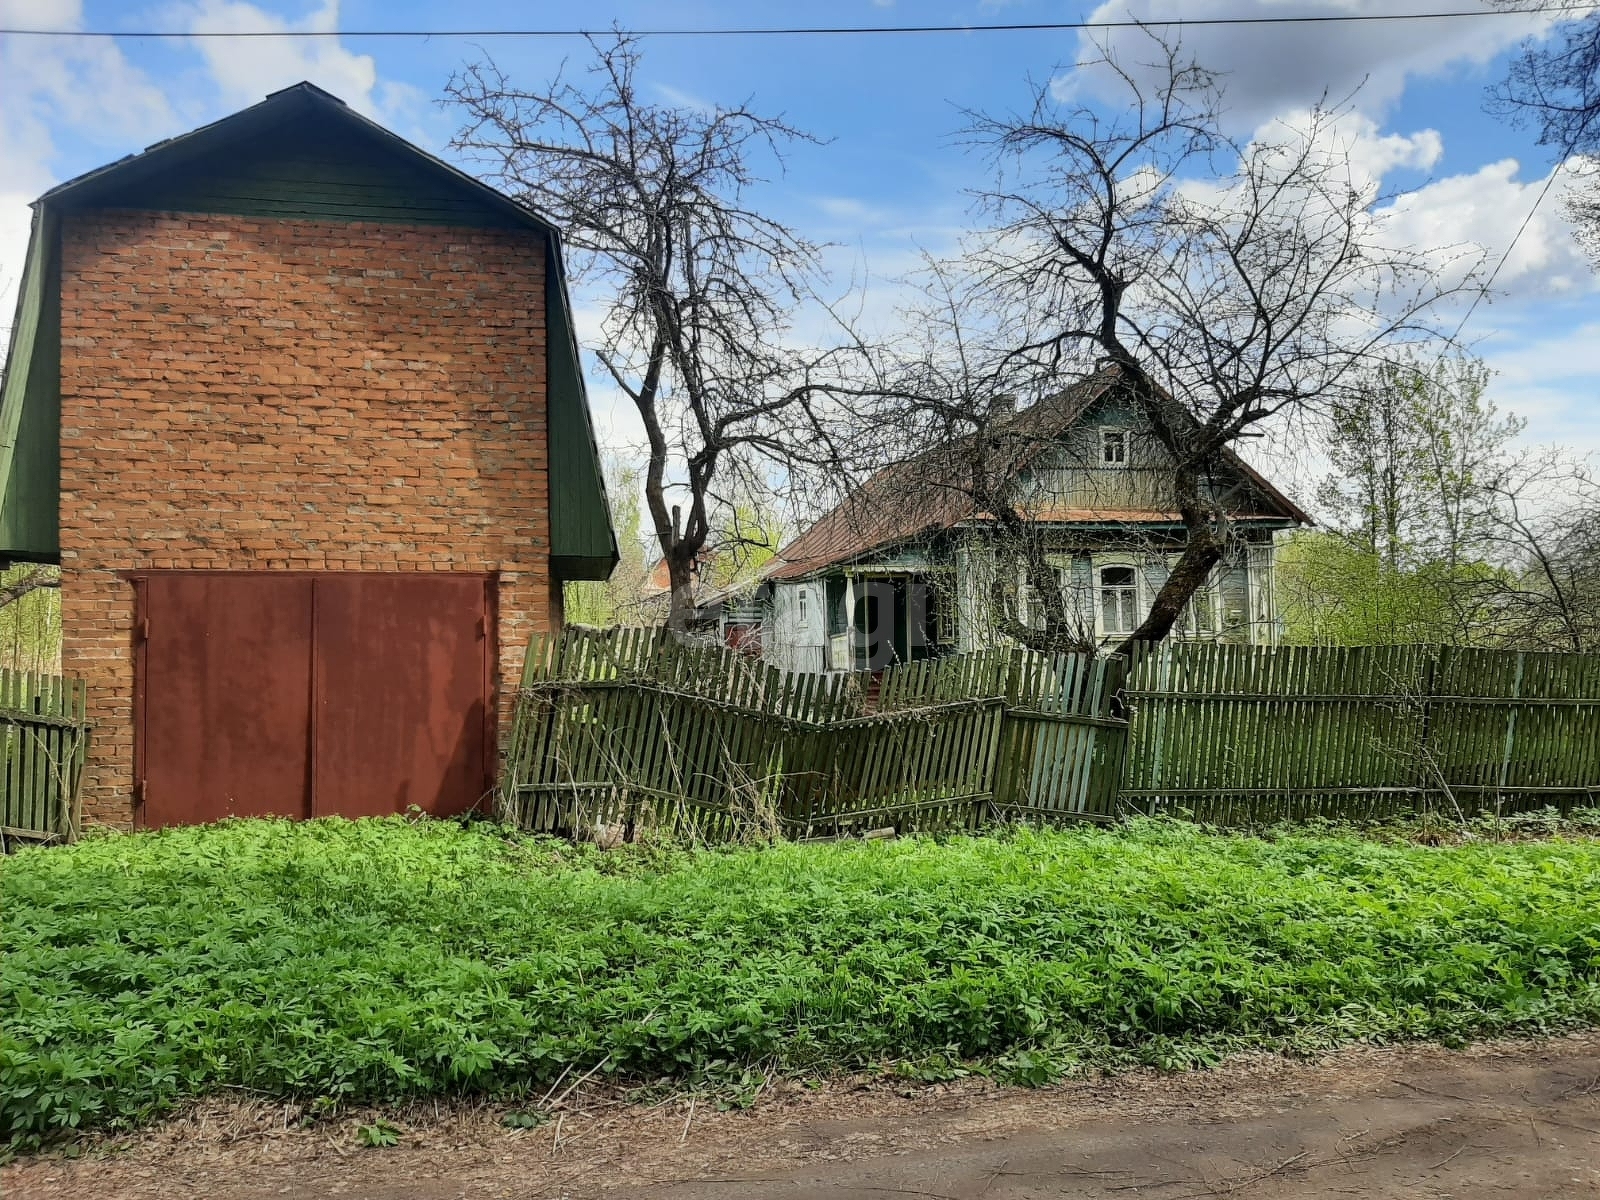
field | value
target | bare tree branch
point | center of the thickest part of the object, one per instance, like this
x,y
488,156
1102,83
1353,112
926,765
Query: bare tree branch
x,y
700,286
39,577
1227,284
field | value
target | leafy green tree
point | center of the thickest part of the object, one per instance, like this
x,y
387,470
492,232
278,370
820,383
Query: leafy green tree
x,y
1415,500
748,532
1334,591
621,599
30,618
1415,455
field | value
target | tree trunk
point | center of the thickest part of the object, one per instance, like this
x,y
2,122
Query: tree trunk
x,y
1187,577
680,576
1202,551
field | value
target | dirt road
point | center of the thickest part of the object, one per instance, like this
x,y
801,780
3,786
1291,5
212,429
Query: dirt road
x,y
1503,1120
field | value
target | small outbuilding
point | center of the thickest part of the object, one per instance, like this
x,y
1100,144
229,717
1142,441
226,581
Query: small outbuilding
x,y
297,408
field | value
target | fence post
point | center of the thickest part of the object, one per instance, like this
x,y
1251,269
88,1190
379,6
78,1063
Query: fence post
x,y
1511,730
1427,692
1007,759
1163,655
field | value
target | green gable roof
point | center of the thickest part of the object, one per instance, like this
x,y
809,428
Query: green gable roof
x,y
299,153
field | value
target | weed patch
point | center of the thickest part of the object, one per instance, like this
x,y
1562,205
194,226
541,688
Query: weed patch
x,y
379,960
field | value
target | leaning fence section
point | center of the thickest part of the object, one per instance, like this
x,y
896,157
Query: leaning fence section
x,y
43,736
631,726
1249,734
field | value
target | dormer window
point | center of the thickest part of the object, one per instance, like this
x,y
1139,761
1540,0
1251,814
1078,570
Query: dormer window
x,y
1113,447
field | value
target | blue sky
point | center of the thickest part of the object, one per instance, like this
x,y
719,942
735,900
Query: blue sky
x,y
892,176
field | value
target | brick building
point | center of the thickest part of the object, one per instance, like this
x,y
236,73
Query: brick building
x,y
297,408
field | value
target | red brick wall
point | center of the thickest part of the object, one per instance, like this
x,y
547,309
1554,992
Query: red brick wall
x,y
260,394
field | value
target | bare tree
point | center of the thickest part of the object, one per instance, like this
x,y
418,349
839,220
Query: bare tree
x,y
1554,85
1544,529
943,411
1228,285
699,287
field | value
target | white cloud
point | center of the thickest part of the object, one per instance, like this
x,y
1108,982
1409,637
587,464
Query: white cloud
x,y
246,69
1488,207
1549,377
678,98
1374,154
1268,69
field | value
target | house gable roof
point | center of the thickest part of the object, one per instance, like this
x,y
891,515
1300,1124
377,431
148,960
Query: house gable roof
x,y
300,153
901,503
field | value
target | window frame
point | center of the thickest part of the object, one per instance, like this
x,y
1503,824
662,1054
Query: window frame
x,y
1114,435
1133,587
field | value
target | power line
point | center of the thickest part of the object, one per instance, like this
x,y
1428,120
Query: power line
x,y
816,30
1510,246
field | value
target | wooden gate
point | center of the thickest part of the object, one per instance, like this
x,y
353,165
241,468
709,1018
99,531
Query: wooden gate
x,y
279,694
1061,753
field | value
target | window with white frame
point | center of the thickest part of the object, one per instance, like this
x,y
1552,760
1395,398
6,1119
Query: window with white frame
x,y
1113,447
1119,599
805,601
1030,608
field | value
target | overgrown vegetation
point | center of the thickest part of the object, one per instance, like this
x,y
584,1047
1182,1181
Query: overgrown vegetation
x,y
30,618
1439,528
370,961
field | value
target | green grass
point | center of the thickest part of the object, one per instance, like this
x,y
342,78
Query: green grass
x,y
379,960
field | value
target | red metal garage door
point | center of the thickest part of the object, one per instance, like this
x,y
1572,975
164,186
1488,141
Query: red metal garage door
x,y
224,688
297,695
402,698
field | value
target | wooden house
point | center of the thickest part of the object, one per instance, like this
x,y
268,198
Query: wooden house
x,y
903,569
297,408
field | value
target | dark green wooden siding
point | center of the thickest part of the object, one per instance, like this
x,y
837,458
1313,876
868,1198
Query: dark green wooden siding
x,y
30,509
316,173
582,544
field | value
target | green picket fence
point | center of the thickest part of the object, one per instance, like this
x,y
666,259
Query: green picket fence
x,y
44,732
1249,734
